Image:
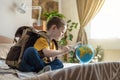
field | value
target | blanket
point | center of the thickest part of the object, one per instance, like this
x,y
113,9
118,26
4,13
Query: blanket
x,y
91,71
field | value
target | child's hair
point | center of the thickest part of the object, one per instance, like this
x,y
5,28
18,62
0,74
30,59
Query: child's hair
x,y
59,22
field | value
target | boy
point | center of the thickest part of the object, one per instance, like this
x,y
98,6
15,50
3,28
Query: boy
x,y
43,55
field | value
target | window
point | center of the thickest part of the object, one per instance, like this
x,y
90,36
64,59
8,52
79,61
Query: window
x,y
106,24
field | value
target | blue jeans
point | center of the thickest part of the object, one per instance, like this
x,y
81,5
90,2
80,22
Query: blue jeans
x,y
32,62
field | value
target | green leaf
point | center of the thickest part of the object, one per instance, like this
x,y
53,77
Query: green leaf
x,y
71,60
49,15
71,53
63,41
76,25
73,23
70,37
68,21
71,26
70,30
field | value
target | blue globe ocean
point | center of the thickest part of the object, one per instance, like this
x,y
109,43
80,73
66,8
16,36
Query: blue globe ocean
x,y
84,53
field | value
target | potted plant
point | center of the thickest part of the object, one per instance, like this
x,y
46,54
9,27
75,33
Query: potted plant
x,y
99,54
71,57
48,15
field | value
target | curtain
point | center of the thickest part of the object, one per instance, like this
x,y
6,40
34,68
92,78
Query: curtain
x,y
87,9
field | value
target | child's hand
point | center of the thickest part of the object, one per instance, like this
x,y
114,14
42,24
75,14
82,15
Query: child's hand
x,y
67,49
73,47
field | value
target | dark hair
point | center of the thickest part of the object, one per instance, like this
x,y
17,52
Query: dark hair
x,y
59,22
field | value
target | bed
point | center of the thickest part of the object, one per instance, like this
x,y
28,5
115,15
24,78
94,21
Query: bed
x,y
71,71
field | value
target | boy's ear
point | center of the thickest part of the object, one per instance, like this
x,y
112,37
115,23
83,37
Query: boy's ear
x,y
54,27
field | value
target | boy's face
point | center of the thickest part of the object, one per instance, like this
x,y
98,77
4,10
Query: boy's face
x,y
59,33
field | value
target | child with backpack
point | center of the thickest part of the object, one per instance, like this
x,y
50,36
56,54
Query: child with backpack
x,y
43,55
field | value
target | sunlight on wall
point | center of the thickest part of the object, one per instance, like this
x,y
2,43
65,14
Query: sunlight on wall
x,y
106,24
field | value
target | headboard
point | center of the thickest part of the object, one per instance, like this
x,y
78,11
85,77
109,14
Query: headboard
x,y
5,45
4,39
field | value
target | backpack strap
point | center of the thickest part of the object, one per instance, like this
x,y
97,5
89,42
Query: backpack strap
x,y
56,44
25,38
43,34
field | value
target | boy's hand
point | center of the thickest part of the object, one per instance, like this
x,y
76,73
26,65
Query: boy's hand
x,y
69,48
66,49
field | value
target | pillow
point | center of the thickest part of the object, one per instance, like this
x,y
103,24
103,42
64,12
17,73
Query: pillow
x,y
4,48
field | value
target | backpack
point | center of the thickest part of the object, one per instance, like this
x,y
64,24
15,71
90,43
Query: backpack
x,y
27,38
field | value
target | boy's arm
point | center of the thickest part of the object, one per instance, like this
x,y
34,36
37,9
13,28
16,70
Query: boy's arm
x,y
64,50
52,53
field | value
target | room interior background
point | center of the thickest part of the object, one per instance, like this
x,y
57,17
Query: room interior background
x,y
10,20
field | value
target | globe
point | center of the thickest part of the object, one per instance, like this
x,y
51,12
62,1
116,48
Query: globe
x,y
84,53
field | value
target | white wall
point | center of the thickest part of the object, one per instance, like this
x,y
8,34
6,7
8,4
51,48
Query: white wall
x,y
112,55
68,8
10,19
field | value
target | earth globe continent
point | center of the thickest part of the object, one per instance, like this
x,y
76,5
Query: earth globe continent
x,y
84,53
